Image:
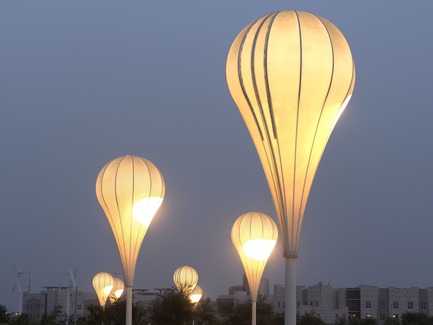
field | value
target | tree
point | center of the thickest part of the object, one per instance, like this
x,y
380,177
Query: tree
x,y
368,321
172,307
236,313
113,314
309,319
23,319
56,317
205,312
4,317
416,319
240,313
391,321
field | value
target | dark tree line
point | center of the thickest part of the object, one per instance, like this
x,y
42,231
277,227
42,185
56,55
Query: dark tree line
x,y
175,308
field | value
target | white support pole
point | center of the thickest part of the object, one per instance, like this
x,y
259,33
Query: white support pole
x,y
290,292
68,293
254,313
128,305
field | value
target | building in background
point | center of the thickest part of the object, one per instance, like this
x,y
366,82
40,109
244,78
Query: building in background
x,y
328,303
71,302
364,301
241,294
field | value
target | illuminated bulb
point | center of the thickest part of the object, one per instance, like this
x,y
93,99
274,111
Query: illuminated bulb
x,y
196,294
102,283
144,210
259,249
118,293
107,289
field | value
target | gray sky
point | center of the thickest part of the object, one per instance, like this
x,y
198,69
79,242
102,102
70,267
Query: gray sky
x,y
83,82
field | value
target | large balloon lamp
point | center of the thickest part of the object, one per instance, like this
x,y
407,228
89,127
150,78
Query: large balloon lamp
x,y
185,278
291,74
254,236
196,294
130,190
117,290
103,284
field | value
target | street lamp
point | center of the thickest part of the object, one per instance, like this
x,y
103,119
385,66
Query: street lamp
x,y
196,294
254,236
291,74
102,283
130,190
117,290
185,278
195,297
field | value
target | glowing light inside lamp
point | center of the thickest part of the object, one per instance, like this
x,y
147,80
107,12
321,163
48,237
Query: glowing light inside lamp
x,y
107,289
196,294
259,249
144,210
118,293
195,298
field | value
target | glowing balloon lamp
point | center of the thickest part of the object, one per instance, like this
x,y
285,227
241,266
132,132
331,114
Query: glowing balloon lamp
x,y
117,290
130,190
185,278
254,236
196,294
291,74
102,283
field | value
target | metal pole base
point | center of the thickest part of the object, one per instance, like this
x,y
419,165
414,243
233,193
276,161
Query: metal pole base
x,y
290,292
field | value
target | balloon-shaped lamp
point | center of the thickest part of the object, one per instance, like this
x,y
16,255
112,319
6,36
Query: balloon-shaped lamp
x,y
118,287
196,294
254,236
102,283
291,74
185,278
130,190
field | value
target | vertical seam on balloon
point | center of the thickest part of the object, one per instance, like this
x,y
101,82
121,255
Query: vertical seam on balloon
x,y
345,97
102,193
120,216
241,81
280,188
135,255
280,191
284,218
265,65
132,249
254,79
319,120
297,120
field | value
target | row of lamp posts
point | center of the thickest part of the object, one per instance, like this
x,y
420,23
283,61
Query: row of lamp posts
x,y
291,74
111,288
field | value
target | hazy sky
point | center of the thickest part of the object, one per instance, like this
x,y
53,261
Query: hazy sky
x,y
83,82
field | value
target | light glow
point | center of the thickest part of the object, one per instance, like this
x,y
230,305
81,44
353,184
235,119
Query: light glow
x,y
118,288
196,294
107,290
102,283
259,249
144,210
254,235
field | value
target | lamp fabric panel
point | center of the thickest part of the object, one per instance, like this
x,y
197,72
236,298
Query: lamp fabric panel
x,y
101,281
118,287
185,278
253,226
290,73
120,185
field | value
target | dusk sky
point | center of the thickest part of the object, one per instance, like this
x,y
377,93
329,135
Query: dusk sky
x,y
84,82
